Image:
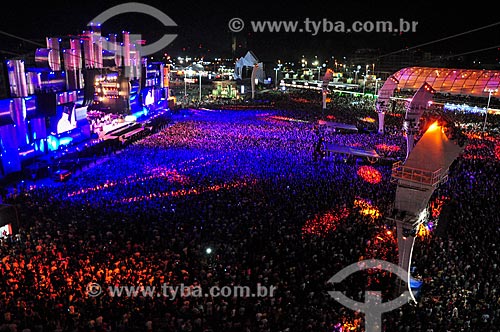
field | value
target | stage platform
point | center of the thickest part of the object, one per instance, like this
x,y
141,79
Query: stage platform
x,y
425,168
330,149
338,126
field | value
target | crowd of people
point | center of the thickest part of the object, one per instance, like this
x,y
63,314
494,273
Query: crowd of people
x,y
245,185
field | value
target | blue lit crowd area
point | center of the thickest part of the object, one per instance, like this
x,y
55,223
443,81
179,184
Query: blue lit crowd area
x,y
244,183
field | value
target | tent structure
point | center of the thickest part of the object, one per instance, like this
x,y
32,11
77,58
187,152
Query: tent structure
x,y
454,81
471,82
250,60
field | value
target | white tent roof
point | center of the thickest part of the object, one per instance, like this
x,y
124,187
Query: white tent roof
x,y
249,60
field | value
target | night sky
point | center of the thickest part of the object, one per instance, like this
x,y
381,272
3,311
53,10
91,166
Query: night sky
x,y
202,27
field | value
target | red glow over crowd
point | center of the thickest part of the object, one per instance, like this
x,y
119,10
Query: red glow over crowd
x,y
366,208
325,223
184,192
167,175
370,174
436,205
387,148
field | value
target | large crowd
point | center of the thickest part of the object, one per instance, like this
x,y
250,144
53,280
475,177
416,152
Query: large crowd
x,y
245,185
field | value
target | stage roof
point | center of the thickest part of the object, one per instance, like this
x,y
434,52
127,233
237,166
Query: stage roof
x,y
433,151
471,82
427,163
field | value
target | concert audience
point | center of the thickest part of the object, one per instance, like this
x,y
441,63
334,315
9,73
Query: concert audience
x,y
245,183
